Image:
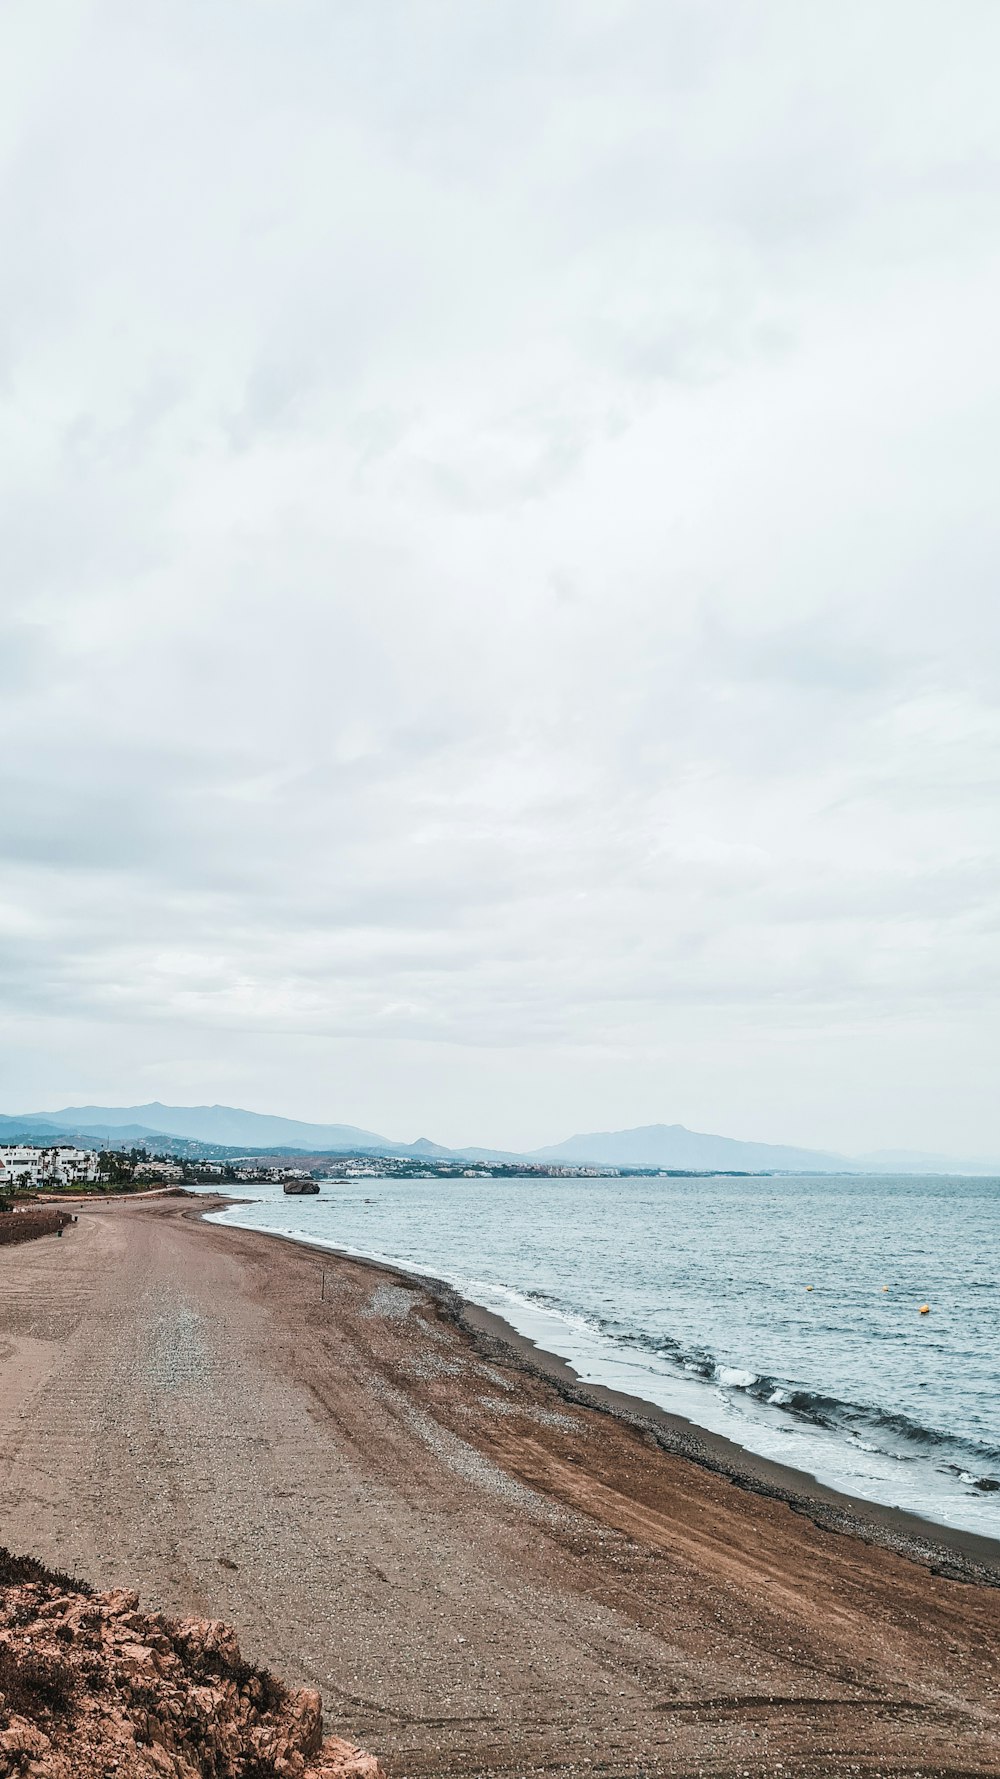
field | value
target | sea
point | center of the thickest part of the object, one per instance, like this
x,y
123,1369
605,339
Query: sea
x,y
782,1312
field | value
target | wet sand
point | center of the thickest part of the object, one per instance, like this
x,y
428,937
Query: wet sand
x,y
485,1573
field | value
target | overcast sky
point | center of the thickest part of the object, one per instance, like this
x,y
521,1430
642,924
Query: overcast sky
x,y
499,621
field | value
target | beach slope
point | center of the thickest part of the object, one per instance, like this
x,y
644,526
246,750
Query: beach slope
x,y
482,1573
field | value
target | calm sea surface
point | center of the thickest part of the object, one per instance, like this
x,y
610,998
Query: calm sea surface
x,y
695,1294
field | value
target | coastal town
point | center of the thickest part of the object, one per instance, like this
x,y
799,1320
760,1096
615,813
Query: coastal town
x,y
27,1168
23,1165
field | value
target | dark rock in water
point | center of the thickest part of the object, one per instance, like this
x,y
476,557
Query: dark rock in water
x,y
987,1483
296,1187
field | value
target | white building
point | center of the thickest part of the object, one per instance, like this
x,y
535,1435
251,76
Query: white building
x,y
23,1165
159,1170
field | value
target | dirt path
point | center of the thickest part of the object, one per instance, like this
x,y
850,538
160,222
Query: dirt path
x,y
481,1578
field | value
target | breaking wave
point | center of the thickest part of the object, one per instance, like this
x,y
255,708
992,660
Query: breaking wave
x,y
695,1298
887,1431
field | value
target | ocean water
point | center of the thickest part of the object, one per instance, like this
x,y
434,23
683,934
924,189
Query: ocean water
x,y
783,1313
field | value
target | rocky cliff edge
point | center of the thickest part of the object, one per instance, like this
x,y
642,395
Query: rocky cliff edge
x,y
90,1685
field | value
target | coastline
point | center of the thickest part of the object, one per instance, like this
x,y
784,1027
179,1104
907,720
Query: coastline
x,y
951,1550
485,1576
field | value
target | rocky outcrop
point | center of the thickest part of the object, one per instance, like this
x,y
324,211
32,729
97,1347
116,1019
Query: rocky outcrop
x,y
90,1685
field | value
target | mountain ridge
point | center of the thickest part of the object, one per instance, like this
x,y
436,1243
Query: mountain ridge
x,y
673,1145
214,1124
645,1146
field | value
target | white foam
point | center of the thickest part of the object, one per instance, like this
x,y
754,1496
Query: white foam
x,y
598,1357
732,1379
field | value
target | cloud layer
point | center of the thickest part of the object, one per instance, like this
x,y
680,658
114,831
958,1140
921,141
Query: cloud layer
x,y
499,627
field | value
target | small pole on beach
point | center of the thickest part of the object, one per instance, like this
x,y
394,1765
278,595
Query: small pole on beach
x,y
322,1287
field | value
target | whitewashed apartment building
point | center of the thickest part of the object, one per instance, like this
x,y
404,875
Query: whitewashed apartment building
x,y
22,1165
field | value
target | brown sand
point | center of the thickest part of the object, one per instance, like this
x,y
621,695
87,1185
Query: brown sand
x,y
481,1574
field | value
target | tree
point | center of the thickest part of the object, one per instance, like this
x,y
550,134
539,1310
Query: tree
x,y
115,1168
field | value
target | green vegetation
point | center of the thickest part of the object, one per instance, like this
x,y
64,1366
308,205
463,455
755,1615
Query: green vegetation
x,y
116,1167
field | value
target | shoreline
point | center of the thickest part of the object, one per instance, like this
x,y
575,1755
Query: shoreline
x,y
950,1550
910,1534
487,1572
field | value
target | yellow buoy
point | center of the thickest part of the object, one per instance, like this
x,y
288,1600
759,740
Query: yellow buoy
x,y
925,1309
808,1287
885,1287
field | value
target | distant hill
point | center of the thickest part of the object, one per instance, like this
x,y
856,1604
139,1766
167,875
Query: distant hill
x,y
672,1145
27,1130
226,1125
649,1146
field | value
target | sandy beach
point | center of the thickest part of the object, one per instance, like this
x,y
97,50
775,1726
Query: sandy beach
x,y
485,1568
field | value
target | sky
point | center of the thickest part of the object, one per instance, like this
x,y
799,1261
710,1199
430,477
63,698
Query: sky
x,y
499,620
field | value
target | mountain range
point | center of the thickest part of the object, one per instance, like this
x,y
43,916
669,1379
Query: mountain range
x,y
649,1146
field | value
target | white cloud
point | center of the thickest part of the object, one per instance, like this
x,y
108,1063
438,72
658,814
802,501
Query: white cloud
x,y
499,628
